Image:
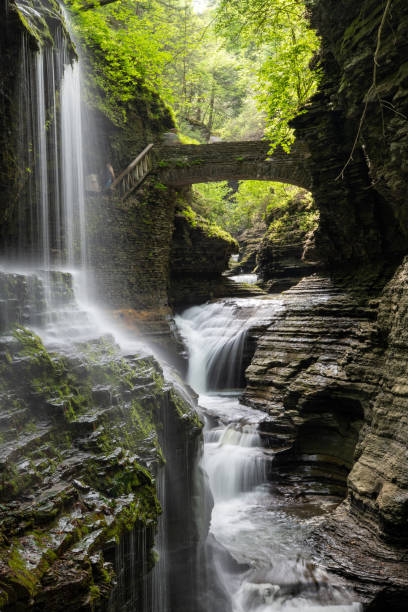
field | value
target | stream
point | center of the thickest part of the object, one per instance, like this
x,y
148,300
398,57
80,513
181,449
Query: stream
x,y
269,566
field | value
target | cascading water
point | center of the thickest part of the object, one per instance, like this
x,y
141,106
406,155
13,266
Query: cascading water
x,y
268,567
51,240
216,336
73,190
249,279
52,204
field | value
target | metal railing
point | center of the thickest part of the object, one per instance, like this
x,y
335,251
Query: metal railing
x,y
134,175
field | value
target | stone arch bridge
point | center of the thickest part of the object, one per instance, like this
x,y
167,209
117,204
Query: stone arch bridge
x,y
179,164
224,161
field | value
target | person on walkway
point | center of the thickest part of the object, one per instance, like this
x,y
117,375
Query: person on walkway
x,y
108,177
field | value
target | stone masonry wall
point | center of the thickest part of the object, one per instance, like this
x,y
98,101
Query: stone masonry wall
x,y
130,245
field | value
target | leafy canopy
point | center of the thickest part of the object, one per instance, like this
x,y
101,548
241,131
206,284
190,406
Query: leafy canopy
x,y
175,51
285,78
130,42
250,204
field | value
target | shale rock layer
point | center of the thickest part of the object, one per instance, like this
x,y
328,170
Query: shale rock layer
x,y
331,371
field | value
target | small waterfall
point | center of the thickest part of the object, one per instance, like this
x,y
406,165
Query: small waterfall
x,y
249,279
256,549
234,462
215,335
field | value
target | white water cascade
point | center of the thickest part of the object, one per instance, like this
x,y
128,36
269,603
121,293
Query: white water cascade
x,y
73,189
51,211
267,567
215,336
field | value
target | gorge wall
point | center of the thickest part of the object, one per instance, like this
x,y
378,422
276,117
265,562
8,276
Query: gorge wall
x,y
362,206
331,368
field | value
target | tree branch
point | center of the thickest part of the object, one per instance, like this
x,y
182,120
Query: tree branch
x,y
372,90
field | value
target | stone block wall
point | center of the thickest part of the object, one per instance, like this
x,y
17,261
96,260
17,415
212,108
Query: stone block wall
x,y
129,248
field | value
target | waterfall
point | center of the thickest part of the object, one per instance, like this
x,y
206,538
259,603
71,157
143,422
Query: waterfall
x,y
51,215
256,547
42,157
73,190
234,462
215,335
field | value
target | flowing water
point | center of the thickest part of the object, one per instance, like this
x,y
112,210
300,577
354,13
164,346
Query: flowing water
x,y
51,211
216,336
47,268
268,567
249,279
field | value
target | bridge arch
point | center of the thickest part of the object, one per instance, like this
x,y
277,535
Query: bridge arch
x,y
223,161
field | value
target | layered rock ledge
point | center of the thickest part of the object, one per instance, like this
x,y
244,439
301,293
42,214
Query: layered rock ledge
x,y
82,442
331,371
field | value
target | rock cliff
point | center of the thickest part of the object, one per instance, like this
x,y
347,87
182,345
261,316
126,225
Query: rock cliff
x,y
280,261
330,371
331,368
200,253
82,441
362,205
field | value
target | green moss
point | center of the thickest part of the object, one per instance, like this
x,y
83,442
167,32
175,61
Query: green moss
x,y
292,219
39,21
210,229
20,573
184,139
184,409
160,186
94,593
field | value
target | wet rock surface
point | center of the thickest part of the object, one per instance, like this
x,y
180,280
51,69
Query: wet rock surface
x,y
80,447
363,206
329,371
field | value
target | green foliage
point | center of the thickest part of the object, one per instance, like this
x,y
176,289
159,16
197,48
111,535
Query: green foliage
x,y
236,211
250,87
293,215
285,79
211,229
127,46
211,201
173,51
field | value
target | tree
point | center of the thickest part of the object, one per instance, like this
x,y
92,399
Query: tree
x,y
285,79
173,50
